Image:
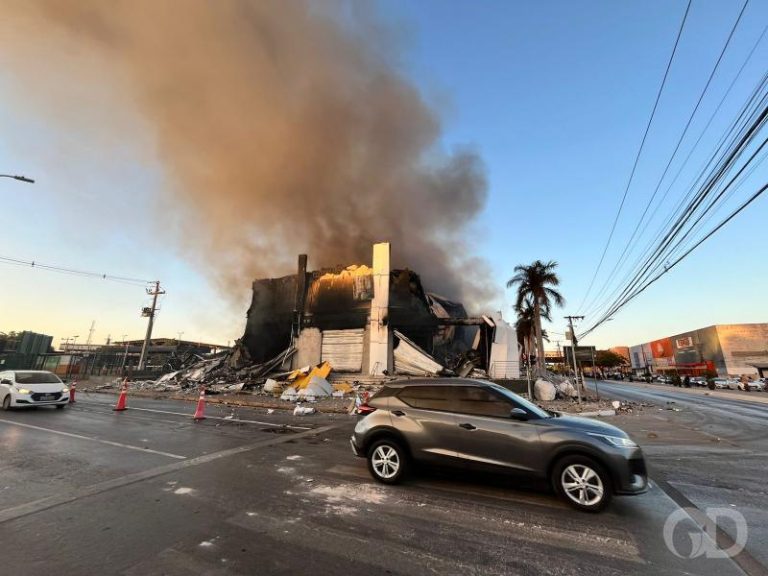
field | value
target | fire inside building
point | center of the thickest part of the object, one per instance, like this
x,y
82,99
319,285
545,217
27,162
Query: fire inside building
x,y
374,321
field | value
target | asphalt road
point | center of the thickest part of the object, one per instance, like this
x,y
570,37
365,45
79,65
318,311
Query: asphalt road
x,y
712,451
143,492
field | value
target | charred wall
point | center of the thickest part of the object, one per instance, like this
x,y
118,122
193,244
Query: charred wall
x,y
270,317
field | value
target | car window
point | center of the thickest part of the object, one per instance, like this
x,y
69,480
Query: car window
x,y
428,397
479,401
520,402
37,378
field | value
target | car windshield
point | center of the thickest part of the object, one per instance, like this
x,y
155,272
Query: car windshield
x,y
529,406
37,378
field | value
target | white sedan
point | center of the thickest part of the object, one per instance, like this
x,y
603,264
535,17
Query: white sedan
x,y
26,388
753,385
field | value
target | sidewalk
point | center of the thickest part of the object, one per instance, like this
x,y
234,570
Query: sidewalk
x,y
759,397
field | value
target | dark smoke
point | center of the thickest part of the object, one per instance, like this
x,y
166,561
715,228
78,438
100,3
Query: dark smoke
x,y
282,126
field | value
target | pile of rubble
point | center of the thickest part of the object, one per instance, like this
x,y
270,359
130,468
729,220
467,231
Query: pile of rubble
x,y
232,372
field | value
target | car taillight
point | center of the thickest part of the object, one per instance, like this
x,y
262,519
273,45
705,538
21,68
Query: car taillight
x,y
364,409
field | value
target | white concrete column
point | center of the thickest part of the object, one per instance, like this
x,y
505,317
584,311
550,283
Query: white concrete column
x,y
379,329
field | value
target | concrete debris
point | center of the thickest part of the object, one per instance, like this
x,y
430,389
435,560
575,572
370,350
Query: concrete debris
x,y
544,390
220,374
566,390
303,410
317,387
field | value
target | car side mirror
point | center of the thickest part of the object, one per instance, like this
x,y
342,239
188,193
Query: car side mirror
x,y
518,414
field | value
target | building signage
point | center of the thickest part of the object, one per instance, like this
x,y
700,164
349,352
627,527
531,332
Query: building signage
x,y
686,342
662,348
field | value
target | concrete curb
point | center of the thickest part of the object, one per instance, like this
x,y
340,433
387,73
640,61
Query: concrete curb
x,y
593,414
213,399
756,397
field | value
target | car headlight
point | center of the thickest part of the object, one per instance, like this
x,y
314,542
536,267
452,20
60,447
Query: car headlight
x,y
65,391
617,441
24,391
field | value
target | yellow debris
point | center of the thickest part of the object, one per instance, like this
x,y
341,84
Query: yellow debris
x,y
342,387
321,370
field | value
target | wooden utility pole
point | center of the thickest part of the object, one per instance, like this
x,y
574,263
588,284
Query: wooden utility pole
x,y
149,312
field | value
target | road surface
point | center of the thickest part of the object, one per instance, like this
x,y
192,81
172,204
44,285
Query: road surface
x,y
143,492
714,454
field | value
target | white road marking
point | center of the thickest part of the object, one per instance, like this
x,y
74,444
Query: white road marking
x,y
86,491
92,439
271,424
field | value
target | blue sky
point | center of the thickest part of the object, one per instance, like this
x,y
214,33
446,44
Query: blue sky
x,y
553,95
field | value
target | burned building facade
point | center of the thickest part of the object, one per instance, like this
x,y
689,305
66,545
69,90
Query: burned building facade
x,y
373,320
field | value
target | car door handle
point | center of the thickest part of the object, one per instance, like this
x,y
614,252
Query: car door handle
x,y
467,426
398,412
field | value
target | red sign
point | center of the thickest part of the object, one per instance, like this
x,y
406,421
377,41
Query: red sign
x,y
662,348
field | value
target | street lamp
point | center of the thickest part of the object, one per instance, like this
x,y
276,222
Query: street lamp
x,y
19,178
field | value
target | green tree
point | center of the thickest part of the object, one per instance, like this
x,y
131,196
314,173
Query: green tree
x,y
526,327
609,359
535,286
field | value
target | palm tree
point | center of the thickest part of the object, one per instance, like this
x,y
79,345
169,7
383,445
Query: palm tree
x,y
526,326
534,287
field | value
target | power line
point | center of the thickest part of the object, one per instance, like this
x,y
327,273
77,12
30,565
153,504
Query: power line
x,y
677,147
669,267
754,122
639,152
73,271
738,126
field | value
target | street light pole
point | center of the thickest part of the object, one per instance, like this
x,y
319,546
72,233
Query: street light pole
x,y
19,178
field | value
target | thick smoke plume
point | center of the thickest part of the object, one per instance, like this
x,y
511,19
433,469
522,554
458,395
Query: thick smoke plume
x,y
282,127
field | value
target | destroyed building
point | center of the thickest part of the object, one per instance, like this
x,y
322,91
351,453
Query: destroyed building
x,y
372,320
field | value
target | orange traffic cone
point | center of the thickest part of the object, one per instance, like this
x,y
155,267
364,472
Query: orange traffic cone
x,y
120,406
72,390
200,411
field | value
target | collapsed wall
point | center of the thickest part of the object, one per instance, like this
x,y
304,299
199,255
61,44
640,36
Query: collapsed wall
x,y
356,317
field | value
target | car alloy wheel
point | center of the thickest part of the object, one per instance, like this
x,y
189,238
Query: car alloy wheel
x,y
582,485
387,461
7,402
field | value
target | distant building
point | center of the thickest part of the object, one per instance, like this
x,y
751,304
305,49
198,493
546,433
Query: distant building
x,y
728,349
622,351
19,350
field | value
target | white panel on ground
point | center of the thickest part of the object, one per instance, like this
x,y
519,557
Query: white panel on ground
x,y
343,349
412,360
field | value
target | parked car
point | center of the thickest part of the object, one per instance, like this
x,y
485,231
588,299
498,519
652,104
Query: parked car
x,y
721,383
752,385
26,388
483,426
698,381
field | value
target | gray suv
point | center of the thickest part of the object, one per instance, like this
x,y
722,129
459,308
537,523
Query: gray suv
x,y
481,425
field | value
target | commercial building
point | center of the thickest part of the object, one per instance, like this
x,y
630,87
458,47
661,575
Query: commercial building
x,y
372,320
728,349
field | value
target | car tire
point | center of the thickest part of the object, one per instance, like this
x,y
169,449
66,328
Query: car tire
x,y
582,483
60,406
387,461
7,402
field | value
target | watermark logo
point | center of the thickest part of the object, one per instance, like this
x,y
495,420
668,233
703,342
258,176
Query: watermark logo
x,y
703,541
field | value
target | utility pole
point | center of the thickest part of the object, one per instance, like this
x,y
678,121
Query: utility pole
x,y
125,355
574,343
149,312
